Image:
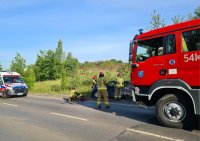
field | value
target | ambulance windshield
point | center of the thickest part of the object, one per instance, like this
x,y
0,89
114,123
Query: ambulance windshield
x,y
12,79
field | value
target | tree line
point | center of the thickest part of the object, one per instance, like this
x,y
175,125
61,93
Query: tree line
x,y
49,65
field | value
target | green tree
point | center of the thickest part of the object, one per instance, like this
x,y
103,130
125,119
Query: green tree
x,y
38,68
74,81
194,15
1,68
197,12
190,16
116,61
69,72
71,65
156,21
49,66
18,64
177,19
113,60
45,67
63,80
59,58
29,77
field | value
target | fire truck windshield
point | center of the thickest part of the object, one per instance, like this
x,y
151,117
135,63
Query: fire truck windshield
x,y
149,48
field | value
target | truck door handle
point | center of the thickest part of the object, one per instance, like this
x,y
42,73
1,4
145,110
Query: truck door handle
x,y
163,71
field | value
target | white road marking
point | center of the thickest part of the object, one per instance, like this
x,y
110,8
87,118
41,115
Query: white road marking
x,y
155,135
10,104
68,116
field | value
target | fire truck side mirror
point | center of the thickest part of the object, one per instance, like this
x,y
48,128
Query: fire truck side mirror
x,y
135,41
130,57
134,65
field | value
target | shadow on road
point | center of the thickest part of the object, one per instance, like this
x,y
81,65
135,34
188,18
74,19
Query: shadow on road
x,y
129,109
125,108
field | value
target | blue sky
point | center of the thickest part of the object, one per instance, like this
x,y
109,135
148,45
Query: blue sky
x,y
91,29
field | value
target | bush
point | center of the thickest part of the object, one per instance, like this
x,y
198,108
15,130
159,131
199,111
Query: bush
x,y
29,78
56,88
82,79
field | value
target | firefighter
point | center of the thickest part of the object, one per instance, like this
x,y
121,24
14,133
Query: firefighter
x,y
119,86
102,91
94,86
94,80
73,94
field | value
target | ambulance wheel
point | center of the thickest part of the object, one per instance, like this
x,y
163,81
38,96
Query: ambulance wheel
x,y
25,93
173,111
6,94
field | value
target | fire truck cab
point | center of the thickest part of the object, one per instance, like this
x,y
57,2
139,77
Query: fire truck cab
x,y
165,71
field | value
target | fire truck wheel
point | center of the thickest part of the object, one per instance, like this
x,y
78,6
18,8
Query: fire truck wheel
x,y
173,111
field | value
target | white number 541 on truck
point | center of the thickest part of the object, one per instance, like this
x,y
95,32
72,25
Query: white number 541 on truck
x,y
165,72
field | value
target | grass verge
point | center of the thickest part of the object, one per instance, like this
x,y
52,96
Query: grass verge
x,y
53,88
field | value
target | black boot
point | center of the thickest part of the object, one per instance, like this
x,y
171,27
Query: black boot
x,y
107,106
99,106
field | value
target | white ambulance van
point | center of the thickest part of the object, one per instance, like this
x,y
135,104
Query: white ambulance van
x,y
11,84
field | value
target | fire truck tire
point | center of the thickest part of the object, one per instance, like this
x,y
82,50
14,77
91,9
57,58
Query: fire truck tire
x,y
173,111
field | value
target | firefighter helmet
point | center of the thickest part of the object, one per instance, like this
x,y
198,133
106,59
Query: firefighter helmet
x,y
94,77
119,74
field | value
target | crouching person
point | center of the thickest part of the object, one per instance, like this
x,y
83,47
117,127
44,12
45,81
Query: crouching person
x,y
73,95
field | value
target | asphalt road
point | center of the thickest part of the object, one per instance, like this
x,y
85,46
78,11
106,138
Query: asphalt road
x,y
35,118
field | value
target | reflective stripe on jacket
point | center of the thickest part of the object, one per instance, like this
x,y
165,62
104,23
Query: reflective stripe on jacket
x,y
120,82
101,83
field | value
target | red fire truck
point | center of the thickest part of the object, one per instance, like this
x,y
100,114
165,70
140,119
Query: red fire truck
x,y
166,72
